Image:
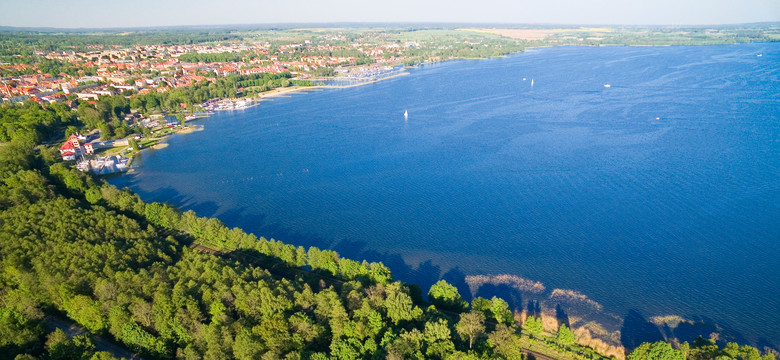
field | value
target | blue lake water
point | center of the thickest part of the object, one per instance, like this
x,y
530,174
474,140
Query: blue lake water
x,y
660,193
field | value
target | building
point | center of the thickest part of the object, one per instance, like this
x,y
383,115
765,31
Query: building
x,y
67,147
68,155
86,96
171,121
73,147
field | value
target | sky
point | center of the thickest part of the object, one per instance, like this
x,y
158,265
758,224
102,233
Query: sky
x,y
153,13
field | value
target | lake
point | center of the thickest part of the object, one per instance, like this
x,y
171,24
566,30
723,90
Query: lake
x,y
656,195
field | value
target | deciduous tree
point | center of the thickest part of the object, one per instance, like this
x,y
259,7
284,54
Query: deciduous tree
x,y
471,326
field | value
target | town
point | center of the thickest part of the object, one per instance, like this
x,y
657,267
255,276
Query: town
x,y
146,91
89,72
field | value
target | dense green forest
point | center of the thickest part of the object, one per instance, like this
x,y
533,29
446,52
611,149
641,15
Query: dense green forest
x,y
32,123
700,349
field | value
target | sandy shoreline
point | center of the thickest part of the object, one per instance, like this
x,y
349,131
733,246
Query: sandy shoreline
x,y
283,91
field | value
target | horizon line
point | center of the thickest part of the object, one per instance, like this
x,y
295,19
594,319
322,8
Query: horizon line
x,y
291,25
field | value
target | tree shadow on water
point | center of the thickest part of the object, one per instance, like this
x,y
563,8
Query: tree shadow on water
x,y
705,327
689,331
279,232
457,278
424,275
237,217
534,308
561,316
636,330
511,295
205,209
765,343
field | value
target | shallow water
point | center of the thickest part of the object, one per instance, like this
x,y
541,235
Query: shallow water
x,y
660,193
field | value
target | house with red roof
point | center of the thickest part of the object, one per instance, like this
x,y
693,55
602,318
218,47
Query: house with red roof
x,y
68,156
73,147
67,148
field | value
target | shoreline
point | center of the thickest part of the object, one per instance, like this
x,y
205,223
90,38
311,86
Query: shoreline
x,y
294,89
162,142
362,83
277,92
283,91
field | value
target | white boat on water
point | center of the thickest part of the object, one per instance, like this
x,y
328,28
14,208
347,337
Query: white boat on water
x,y
406,114
607,86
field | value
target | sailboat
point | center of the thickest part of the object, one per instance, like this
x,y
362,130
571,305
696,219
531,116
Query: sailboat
x,y
532,82
406,114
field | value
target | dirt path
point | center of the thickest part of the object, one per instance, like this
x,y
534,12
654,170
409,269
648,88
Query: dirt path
x,y
536,355
101,344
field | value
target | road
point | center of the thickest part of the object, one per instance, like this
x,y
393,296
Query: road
x,y
101,344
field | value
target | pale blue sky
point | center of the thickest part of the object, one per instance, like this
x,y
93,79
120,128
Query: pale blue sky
x,y
143,13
